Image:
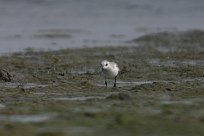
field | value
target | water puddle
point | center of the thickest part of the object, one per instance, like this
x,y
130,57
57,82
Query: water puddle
x,y
185,101
80,98
27,118
40,93
124,83
90,109
20,85
169,102
150,111
132,83
2,106
49,94
83,72
136,82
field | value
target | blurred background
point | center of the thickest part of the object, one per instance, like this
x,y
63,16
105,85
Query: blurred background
x,y
56,24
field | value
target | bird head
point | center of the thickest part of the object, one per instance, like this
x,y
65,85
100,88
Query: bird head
x,y
105,64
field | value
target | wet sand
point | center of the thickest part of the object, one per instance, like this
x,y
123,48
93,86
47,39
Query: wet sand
x,y
58,93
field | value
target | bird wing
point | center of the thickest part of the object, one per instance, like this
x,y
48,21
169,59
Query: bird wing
x,y
115,66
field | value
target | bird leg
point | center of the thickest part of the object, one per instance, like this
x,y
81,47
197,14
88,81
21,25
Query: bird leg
x,y
106,83
115,82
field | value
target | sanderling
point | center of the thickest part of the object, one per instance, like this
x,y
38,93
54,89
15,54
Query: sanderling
x,y
109,70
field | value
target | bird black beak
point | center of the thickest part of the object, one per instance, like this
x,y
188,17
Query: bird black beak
x,y
102,69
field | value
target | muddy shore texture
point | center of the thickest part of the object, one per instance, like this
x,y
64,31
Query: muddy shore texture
x,y
57,93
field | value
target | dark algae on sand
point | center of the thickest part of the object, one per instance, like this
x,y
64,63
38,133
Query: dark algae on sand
x,y
59,93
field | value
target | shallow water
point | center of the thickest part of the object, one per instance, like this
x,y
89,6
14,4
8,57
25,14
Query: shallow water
x,y
51,24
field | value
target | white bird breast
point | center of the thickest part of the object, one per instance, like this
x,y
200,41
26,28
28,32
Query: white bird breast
x,y
110,72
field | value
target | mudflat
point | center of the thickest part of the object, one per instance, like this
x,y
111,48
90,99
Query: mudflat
x,y
58,93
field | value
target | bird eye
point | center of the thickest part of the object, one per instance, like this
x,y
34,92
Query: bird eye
x,y
106,64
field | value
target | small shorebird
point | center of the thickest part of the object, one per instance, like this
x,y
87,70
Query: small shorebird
x,y
109,70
